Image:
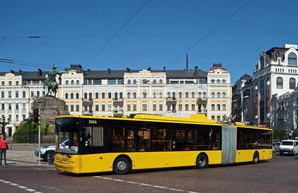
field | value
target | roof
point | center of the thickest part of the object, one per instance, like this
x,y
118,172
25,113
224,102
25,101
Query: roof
x,y
113,74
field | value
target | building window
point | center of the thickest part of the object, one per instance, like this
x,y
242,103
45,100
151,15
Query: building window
x,y
96,107
96,82
180,107
224,107
77,95
292,83
24,94
134,81
17,94
144,107
66,82
103,95
160,95
154,107
144,95
160,107
128,95
193,95
9,94
218,94
103,107
212,95
279,83
154,95
134,107
186,95
292,59
213,107
72,108
193,107
77,108
134,95
96,95
218,107
199,95
180,94
224,95
129,82
66,95
186,107
128,107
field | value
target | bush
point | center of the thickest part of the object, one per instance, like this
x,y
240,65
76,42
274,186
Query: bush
x,y
27,132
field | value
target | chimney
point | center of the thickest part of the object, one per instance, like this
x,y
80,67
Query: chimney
x,y
186,61
40,71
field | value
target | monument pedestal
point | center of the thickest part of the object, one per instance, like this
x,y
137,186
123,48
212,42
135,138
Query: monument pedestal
x,y
50,107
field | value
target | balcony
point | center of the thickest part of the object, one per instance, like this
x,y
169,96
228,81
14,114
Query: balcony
x,y
171,101
88,101
118,101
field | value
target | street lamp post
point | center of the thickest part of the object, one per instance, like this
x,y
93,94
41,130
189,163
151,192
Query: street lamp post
x,y
3,123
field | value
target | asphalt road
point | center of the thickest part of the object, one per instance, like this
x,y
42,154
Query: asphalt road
x,y
277,175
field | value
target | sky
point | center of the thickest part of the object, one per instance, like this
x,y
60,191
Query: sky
x,y
138,34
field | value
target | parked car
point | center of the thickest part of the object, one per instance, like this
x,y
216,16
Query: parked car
x,y
288,147
275,146
47,151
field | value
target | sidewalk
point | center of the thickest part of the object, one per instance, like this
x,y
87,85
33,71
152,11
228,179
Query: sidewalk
x,y
24,159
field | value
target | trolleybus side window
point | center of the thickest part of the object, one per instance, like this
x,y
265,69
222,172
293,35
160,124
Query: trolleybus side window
x,y
92,136
253,139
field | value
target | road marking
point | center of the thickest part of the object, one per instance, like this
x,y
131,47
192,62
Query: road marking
x,y
144,184
19,186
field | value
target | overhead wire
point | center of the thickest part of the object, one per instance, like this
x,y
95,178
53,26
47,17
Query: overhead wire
x,y
222,17
117,32
23,63
210,32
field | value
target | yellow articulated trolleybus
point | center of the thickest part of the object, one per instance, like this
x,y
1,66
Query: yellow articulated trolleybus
x,y
104,144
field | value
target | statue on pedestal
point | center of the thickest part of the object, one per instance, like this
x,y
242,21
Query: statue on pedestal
x,y
51,82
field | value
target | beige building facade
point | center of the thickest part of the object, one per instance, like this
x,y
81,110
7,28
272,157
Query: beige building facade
x,y
122,92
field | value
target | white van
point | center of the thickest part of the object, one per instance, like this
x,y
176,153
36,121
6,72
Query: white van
x,y
288,147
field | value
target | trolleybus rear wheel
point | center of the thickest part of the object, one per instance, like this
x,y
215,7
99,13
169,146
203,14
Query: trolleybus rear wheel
x,y
202,161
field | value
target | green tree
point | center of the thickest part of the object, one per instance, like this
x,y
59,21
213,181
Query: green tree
x,y
28,132
280,134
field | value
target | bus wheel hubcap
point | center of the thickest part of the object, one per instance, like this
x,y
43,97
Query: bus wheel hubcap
x,y
121,165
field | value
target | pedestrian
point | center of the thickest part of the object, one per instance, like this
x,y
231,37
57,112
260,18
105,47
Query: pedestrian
x,y
3,148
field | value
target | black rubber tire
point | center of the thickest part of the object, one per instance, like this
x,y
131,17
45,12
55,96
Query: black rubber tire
x,y
256,158
121,166
202,161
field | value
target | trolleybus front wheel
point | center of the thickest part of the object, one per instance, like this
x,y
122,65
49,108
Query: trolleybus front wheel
x,y
121,165
202,161
256,158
